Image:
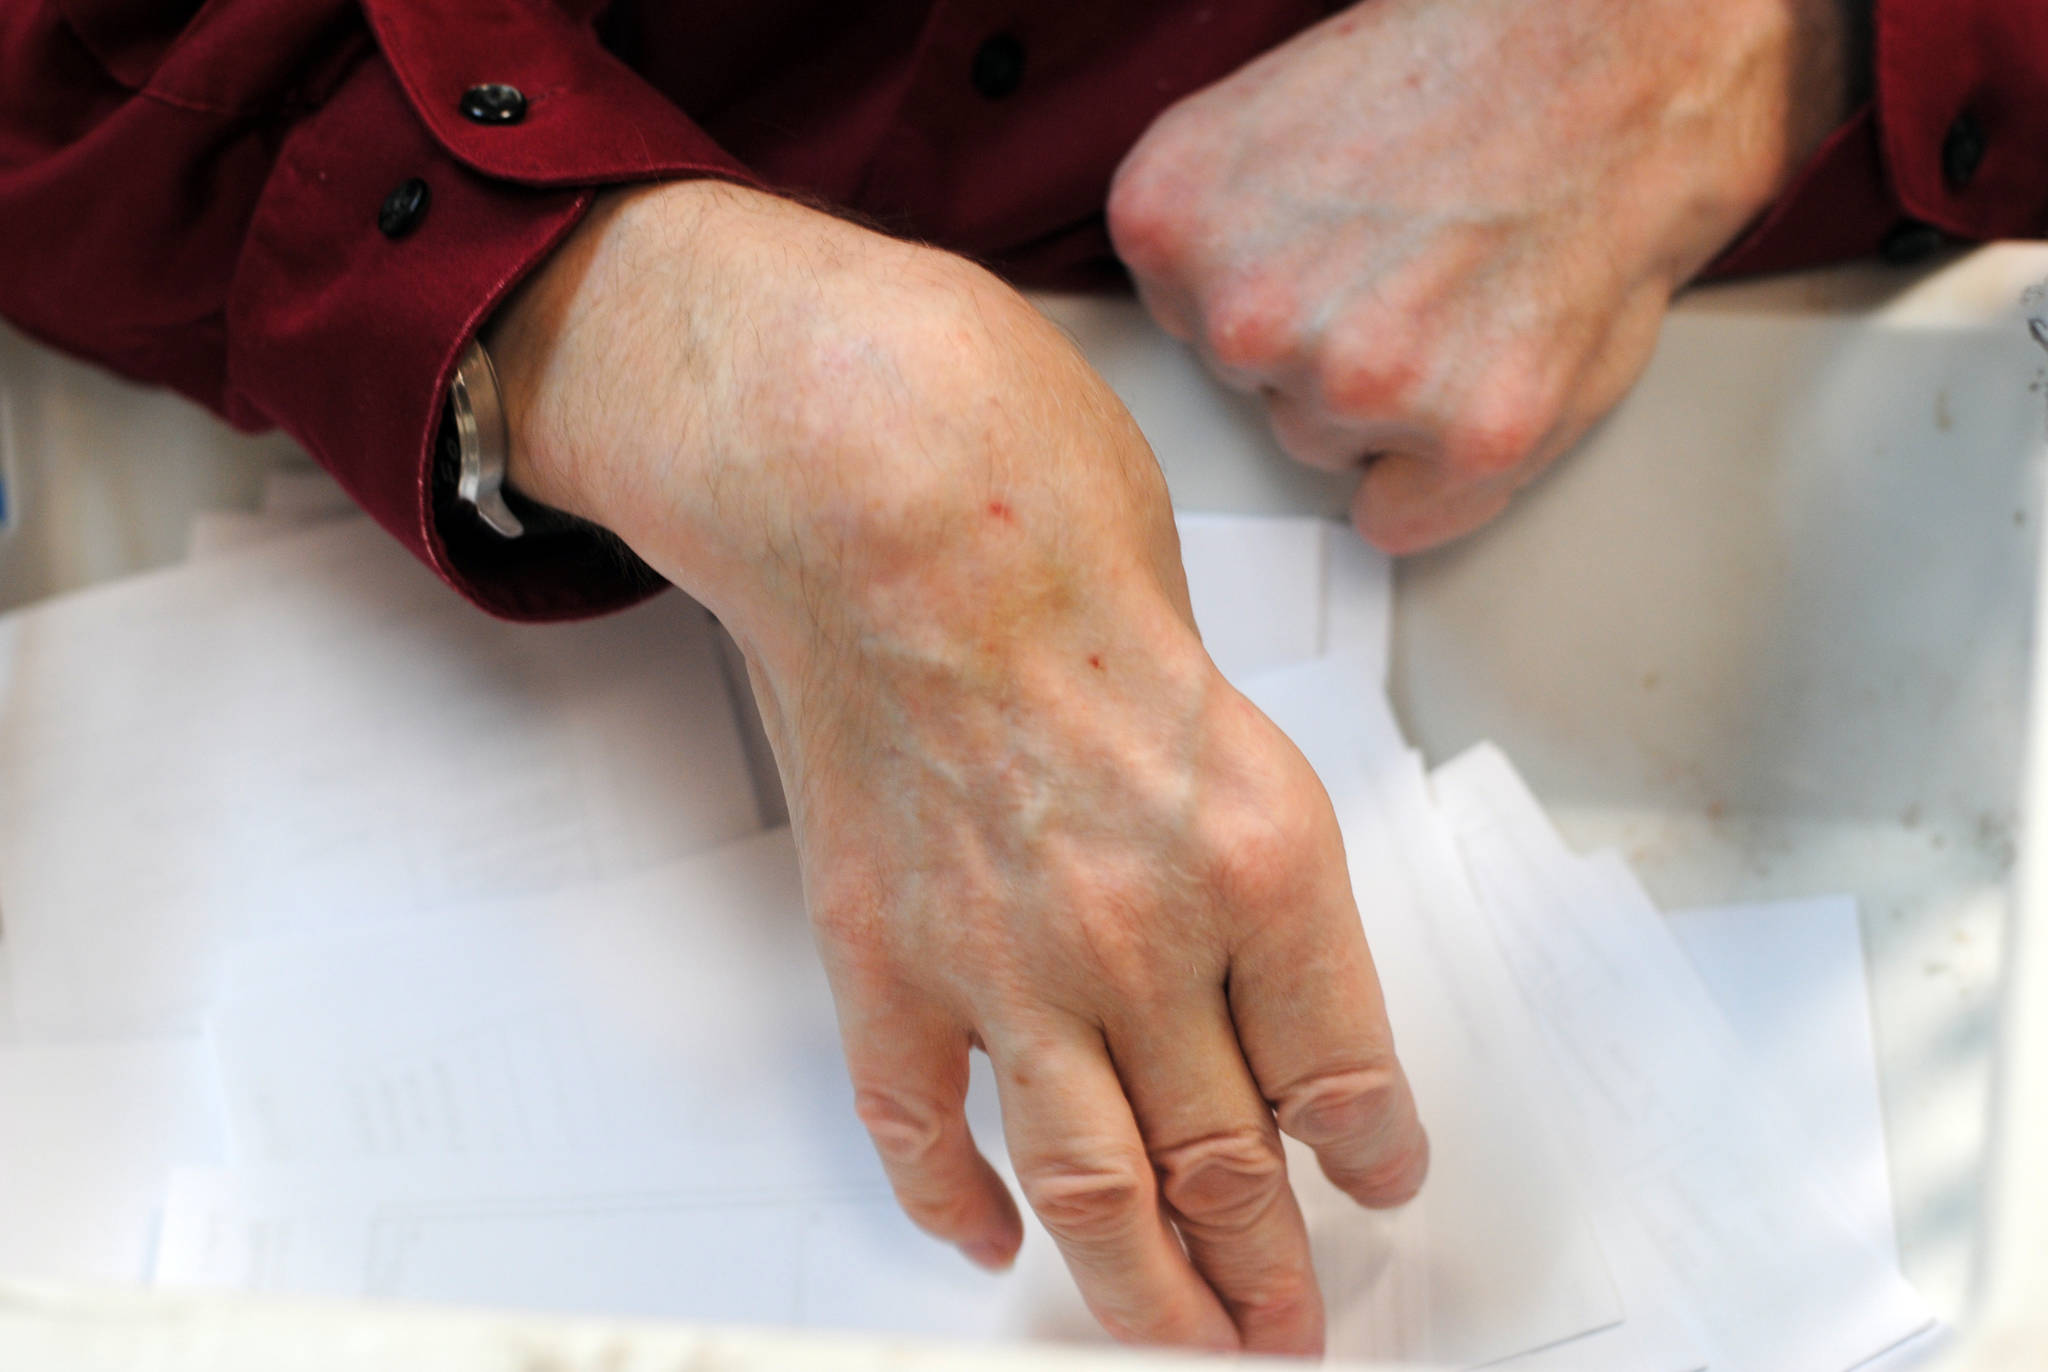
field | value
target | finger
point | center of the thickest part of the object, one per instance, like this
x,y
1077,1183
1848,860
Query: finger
x,y
1313,435
910,1089
1309,1013
1083,1169
1611,369
1222,1174
1308,434
1408,503
1171,309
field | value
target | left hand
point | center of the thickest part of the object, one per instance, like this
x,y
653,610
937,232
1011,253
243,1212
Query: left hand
x,y
1439,236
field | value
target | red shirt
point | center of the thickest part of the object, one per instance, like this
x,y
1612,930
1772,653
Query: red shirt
x,y
190,193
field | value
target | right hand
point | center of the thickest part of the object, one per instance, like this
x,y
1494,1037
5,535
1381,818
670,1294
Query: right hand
x,y
1032,815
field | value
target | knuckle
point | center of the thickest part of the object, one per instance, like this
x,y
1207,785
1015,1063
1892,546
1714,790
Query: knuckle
x,y
1251,327
1499,438
1381,379
1354,1120
1092,1204
1155,198
1142,1326
1272,856
1291,1302
1258,868
1224,1182
1311,436
1340,1106
1168,308
1396,1179
1148,221
848,909
1491,451
908,1130
1279,1309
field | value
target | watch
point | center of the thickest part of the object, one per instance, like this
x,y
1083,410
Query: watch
x,y
481,440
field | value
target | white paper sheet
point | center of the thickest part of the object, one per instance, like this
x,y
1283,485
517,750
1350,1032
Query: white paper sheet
x,y
317,733
1358,601
89,1135
1749,1251
8,1032
680,1012
1271,591
418,1231
680,1007
626,1098
1257,586
1789,976
638,1244
555,1117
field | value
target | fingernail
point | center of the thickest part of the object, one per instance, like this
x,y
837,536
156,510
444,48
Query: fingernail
x,y
989,1255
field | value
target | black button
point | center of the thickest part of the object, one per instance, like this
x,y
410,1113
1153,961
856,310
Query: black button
x,y
494,103
1911,241
403,208
1962,151
998,66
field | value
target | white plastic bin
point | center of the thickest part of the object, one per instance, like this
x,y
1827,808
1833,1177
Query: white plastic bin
x,y
1769,632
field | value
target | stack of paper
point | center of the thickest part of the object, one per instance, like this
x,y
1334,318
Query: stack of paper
x,y
364,947
306,736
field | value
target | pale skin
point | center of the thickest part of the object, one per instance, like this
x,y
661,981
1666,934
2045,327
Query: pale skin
x,y
1033,818
1438,237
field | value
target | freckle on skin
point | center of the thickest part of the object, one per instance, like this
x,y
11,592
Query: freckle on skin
x,y
1095,661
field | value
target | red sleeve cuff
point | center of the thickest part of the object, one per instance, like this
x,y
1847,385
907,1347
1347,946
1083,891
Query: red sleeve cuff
x,y
1955,142
1837,207
1962,112
346,336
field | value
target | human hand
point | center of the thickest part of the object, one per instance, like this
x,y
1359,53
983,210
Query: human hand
x,y
1439,236
1032,816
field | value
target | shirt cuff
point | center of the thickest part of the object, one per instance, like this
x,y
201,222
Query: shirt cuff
x,y
1953,144
1962,113
344,332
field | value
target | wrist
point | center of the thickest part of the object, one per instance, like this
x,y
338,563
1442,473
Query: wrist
x,y
1829,72
819,431
525,339
1798,70
1776,83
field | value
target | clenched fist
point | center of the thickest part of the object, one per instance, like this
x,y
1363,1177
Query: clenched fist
x,y
1439,236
